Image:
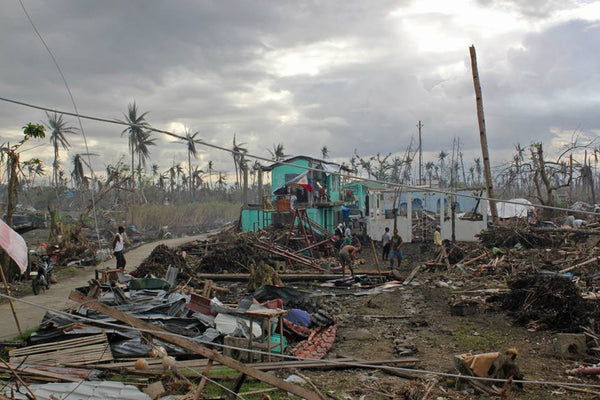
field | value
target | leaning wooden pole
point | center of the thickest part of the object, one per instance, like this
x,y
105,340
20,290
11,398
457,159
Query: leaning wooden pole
x,y
483,136
12,306
192,346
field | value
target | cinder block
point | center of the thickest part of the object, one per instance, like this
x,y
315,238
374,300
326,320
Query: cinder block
x,y
570,345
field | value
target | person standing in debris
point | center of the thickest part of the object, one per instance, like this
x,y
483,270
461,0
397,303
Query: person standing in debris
x,y
348,255
339,231
437,236
385,243
118,246
396,251
348,231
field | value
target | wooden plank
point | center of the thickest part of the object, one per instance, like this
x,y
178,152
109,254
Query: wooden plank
x,y
81,351
203,380
57,345
590,261
192,346
44,374
376,261
412,275
190,367
288,277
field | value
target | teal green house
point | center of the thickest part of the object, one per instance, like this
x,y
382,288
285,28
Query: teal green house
x,y
299,182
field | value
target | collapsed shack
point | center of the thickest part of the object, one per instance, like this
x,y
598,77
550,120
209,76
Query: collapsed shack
x,y
175,335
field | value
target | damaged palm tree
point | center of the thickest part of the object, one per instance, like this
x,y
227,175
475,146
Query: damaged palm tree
x,y
10,156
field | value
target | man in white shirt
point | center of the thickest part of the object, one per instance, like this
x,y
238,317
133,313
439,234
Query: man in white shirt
x,y
118,246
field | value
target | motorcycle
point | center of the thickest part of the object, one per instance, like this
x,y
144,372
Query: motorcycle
x,y
40,274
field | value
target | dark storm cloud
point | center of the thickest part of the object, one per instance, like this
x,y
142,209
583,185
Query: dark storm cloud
x,y
214,67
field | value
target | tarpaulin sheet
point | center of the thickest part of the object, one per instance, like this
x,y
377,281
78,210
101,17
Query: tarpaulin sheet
x,y
14,245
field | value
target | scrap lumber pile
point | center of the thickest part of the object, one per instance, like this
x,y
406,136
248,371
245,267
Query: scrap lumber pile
x,y
81,351
234,252
543,270
229,254
531,237
168,335
548,301
509,250
159,261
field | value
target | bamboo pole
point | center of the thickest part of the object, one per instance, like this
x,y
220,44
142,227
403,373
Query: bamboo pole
x,y
12,306
377,261
483,136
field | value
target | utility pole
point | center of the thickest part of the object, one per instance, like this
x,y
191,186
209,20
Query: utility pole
x,y
483,136
420,125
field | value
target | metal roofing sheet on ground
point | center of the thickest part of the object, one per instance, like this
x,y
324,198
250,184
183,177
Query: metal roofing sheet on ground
x,y
84,391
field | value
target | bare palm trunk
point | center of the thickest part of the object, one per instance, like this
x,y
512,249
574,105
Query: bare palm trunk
x,y
132,168
191,179
55,165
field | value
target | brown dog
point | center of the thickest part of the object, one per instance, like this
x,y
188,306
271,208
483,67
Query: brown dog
x,y
509,369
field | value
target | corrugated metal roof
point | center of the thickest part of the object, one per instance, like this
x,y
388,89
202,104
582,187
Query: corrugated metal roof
x,y
83,391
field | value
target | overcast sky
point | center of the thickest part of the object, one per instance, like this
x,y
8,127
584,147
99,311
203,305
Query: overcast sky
x,y
340,73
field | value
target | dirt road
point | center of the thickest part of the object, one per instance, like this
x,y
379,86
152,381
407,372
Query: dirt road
x,y
57,297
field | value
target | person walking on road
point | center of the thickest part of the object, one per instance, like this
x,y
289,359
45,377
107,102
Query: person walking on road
x,y
395,251
118,246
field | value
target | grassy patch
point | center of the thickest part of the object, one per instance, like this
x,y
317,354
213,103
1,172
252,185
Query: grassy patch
x,y
212,390
26,334
66,272
469,338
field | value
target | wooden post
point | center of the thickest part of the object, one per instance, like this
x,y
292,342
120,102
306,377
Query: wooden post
x,y
192,346
12,306
260,201
203,380
245,187
483,136
377,261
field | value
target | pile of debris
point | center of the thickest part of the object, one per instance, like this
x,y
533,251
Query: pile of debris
x,y
167,336
224,254
159,261
548,301
545,271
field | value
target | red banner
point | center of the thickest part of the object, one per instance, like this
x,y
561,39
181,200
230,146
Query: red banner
x,y
14,245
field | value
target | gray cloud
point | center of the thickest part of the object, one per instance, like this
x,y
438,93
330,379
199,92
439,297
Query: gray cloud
x,y
363,82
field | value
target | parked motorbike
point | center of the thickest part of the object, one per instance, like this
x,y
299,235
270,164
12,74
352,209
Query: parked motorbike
x,y
41,273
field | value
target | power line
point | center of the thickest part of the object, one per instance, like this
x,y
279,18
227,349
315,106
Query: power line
x,y
39,35
261,158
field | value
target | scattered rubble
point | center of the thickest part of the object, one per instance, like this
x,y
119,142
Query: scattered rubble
x,y
545,279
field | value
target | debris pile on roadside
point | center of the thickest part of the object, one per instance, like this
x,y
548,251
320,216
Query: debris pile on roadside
x,y
231,252
548,301
166,336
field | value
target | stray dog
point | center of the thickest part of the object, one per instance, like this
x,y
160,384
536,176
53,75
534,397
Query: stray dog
x,y
509,369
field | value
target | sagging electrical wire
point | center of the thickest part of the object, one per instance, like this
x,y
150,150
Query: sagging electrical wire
x,y
87,150
261,158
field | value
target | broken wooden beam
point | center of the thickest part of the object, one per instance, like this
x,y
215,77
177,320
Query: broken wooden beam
x,y
581,264
243,277
288,255
192,346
